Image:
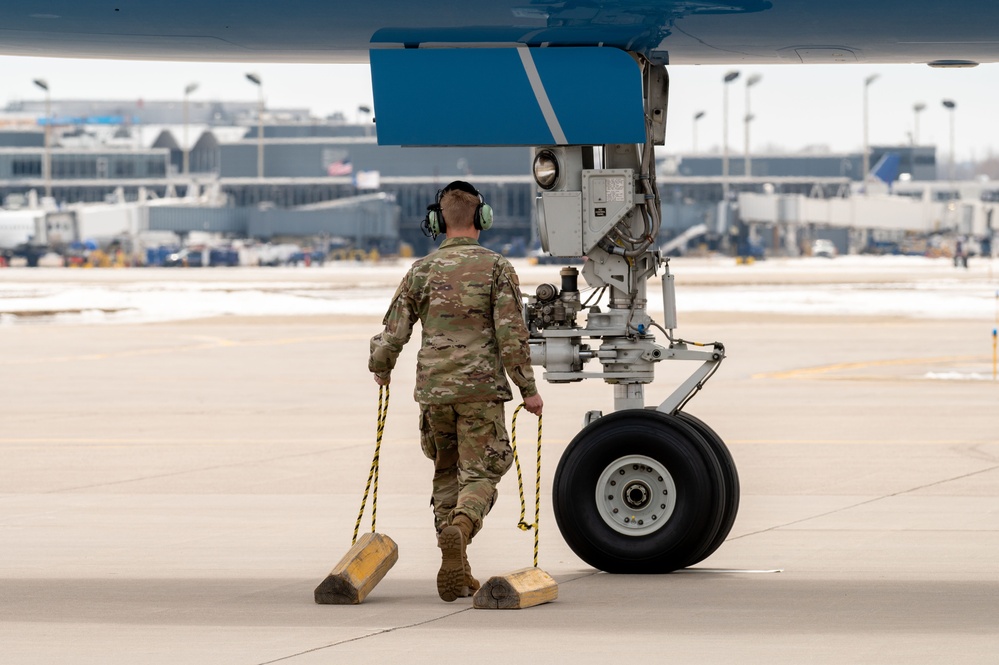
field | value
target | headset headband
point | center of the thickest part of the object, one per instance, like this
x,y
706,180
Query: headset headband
x,y
461,186
434,222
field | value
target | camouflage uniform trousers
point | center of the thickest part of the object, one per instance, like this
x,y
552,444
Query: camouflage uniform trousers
x,y
471,451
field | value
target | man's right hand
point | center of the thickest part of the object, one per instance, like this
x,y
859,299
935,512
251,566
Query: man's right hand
x,y
534,403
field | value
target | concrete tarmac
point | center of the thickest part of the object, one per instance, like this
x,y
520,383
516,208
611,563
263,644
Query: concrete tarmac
x,y
173,492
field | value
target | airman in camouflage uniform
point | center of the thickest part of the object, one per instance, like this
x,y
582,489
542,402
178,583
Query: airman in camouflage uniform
x,y
468,301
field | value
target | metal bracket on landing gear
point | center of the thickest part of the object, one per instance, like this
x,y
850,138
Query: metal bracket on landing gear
x,y
690,387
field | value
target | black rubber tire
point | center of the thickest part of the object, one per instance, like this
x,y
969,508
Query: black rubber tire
x,y
691,528
730,477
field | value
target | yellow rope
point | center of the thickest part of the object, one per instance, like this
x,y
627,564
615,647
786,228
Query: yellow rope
x,y
522,525
383,402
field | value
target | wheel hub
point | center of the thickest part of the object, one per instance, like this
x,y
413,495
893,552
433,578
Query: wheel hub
x,y
635,495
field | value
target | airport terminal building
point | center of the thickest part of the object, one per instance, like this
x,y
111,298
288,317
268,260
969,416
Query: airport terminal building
x,y
297,167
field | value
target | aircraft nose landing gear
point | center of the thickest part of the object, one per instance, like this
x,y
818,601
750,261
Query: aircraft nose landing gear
x,y
639,490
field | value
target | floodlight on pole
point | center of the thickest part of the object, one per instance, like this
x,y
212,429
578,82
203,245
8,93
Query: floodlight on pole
x,y
867,146
366,110
951,106
47,162
750,82
729,77
188,89
697,116
917,108
257,81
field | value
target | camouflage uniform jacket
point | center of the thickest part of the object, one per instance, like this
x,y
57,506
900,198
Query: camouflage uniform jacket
x,y
468,301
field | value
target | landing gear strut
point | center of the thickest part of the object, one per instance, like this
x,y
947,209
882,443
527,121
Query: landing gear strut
x,y
641,490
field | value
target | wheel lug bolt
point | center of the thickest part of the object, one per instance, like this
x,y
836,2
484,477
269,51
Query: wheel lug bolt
x,y
663,506
610,496
654,517
641,522
660,478
626,520
665,492
615,511
634,467
621,471
613,483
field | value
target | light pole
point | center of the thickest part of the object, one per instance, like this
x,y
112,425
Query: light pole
x,y
188,89
697,116
917,108
950,105
867,149
731,76
256,80
47,162
364,111
750,82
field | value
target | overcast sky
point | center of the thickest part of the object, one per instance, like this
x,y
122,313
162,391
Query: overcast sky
x,y
795,105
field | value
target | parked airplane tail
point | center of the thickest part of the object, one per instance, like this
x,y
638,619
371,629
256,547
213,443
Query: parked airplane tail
x,y
887,168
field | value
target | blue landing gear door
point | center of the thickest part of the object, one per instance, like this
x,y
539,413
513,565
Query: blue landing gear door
x,y
507,96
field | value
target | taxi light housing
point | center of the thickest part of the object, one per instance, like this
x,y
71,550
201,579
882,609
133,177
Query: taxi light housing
x,y
546,169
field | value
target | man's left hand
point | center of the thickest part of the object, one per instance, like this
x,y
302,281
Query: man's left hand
x,y
534,404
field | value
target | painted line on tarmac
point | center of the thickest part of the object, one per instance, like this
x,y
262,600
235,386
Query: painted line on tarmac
x,y
865,502
179,441
861,442
330,445
208,344
187,471
367,636
728,571
812,372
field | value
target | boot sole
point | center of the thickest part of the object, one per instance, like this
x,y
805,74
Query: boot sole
x,y
451,576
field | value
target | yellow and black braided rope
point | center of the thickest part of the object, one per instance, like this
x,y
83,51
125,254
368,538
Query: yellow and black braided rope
x,y
383,402
524,526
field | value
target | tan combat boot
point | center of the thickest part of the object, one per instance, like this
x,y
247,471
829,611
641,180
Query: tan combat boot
x,y
471,585
451,578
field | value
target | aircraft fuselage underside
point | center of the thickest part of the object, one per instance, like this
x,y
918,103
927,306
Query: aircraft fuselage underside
x,y
668,31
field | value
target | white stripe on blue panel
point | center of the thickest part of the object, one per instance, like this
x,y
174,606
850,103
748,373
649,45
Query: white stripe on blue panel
x,y
539,92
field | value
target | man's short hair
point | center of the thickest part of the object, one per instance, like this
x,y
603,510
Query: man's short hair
x,y
458,208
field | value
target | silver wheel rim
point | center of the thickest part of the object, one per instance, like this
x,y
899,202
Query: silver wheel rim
x,y
635,495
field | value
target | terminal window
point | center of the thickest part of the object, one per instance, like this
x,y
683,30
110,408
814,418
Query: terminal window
x,y
28,166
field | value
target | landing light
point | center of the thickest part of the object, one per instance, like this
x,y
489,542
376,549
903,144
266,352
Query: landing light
x,y
546,169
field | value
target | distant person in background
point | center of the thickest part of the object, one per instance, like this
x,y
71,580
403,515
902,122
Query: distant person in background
x,y
960,254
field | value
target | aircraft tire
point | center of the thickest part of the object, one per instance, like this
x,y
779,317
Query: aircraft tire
x,y
607,479
730,477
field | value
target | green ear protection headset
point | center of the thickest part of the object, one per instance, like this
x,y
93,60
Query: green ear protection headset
x,y
434,224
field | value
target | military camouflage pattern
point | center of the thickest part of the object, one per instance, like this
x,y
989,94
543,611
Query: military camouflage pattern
x,y
471,451
468,300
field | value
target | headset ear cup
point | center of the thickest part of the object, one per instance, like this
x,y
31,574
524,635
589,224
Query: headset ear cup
x,y
484,217
436,222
